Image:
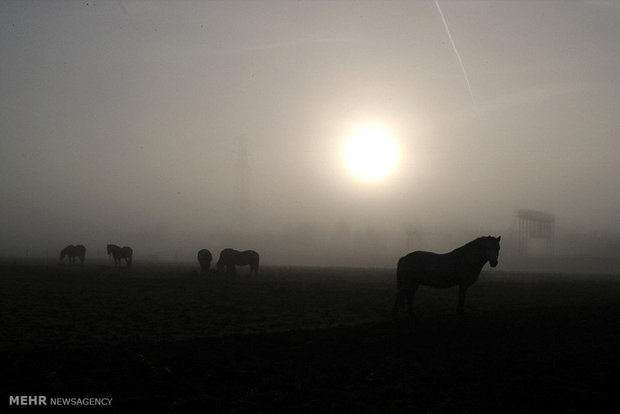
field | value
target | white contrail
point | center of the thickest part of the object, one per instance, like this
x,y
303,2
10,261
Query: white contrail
x,y
458,55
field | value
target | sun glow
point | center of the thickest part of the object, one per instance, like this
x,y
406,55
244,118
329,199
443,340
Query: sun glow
x,y
371,153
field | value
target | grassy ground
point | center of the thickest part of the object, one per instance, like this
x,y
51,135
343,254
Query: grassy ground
x,y
163,338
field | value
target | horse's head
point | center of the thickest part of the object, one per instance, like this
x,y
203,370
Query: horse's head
x,y
65,252
492,249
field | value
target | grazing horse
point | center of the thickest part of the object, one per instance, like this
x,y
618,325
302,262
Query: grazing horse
x,y
230,258
72,252
461,266
119,253
204,258
226,262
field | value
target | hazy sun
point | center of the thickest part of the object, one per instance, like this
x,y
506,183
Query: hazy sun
x,y
371,153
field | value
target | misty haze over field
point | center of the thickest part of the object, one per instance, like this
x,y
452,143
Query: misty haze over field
x,y
176,126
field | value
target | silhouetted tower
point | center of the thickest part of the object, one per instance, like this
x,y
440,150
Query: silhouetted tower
x,y
535,225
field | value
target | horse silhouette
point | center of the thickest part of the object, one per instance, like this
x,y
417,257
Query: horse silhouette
x,y
230,258
461,267
119,253
204,258
225,263
72,252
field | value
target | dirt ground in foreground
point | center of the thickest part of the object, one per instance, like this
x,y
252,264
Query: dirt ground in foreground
x,y
527,345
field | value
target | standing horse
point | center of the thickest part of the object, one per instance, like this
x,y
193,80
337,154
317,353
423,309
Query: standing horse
x,y
204,258
230,258
72,252
461,266
119,253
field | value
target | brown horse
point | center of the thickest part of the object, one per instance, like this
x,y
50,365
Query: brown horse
x,y
119,253
230,258
204,258
461,267
72,252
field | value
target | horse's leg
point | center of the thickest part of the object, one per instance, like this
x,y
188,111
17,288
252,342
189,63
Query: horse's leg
x,y
461,305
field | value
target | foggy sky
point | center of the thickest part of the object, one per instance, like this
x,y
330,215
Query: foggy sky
x,y
173,126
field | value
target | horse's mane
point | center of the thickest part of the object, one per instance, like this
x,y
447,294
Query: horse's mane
x,y
472,245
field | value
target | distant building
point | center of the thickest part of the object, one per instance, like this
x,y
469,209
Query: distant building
x,y
538,226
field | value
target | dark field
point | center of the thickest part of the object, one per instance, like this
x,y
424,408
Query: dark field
x,y
163,338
